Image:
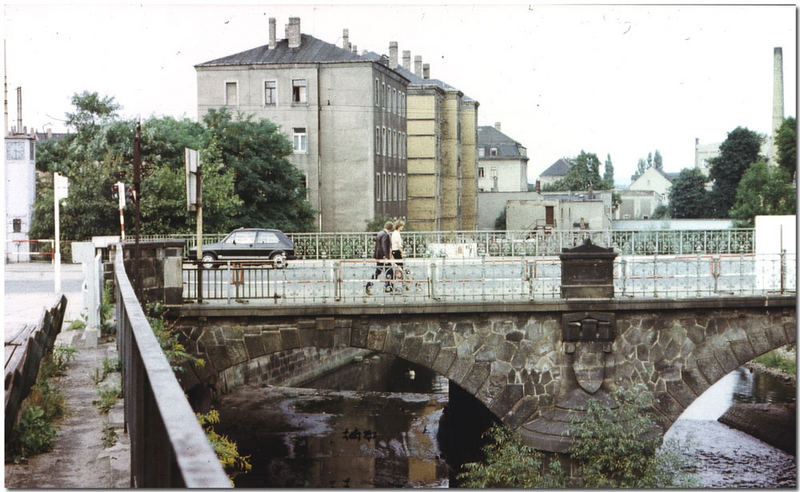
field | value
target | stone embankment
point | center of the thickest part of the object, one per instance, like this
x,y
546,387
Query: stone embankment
x,y
773,423
78,458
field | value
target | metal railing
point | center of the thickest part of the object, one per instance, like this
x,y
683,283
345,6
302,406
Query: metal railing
x,y
488,279
360,245
25,250
168,446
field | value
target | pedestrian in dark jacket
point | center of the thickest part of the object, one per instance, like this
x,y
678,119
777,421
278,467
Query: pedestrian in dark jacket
x,y
383,255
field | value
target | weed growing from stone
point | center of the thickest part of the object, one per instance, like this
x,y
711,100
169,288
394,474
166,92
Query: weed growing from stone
x,y
227,450
108,397
33,434
77,324
109,436
57,362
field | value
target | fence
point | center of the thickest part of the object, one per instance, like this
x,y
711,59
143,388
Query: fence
x,y
26,250
488,279
168,446
355,245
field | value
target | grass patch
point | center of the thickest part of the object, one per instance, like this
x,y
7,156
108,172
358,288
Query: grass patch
x,y
779,360
109,436
107,398
76,324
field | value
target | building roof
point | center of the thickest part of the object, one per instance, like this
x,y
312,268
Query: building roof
x,y
507,147
668,176
311,50
558,168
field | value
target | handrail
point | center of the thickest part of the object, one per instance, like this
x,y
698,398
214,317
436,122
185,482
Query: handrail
x,y
168,446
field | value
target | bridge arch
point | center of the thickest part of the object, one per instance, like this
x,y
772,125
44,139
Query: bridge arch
x,y
517,359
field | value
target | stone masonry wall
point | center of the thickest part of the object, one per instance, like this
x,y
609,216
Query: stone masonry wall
x,y
516,363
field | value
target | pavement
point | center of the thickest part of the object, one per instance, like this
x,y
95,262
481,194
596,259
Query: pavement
x,y
79,458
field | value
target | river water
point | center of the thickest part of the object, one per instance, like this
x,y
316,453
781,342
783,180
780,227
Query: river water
x,y
375,424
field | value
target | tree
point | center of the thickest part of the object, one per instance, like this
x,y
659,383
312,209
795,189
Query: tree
x,y
91,111
661,212
271,188
585,171
737,152
658,161
763,190
500,221
786,143
688,198
641,167
608,171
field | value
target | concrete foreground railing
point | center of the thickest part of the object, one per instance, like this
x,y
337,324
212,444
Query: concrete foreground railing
x,y
168,446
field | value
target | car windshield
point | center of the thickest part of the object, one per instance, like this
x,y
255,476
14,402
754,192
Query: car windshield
x,y
241,237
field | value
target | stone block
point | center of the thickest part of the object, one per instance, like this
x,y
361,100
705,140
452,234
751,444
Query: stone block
x,y
459,369
710,368
464,328
326,323
758,341
681,393
515,336
475,378
341,336
485,354
410,348
324,338
394,339
521,412
232,332
254,346
290,338
694,379
428,353
358,335
89,339
306,323
742,350
443,361
344,323
726,358
376,339
217,356
775,334
307,336
237,353
271,341
668,406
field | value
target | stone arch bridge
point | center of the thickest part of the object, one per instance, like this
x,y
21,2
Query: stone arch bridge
x,y
532,364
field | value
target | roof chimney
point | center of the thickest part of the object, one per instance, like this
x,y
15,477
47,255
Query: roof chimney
x,y
497,126
418,65
272,40
407,60
426,70
392,54
346,39
19,109
293,32
777,91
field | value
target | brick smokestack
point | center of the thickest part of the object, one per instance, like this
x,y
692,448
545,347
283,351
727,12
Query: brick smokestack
x,y
272,36
418,65
293,32
426,70
346,39
392,54
407,60
777,92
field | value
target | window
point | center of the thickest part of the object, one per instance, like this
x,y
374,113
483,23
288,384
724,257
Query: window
x,y
15,151
481,152
231,94
299,91
299,141
17,225
378,141
385,187
270,96
403,104
493,152
241,237
394,100
394,144
394,187
481,173
383,142
378,186
267,237
377,92
383,94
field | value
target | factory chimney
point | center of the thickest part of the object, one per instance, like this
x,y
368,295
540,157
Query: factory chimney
x,y
777,92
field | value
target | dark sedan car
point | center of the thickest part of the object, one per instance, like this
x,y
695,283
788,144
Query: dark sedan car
x,y
249,245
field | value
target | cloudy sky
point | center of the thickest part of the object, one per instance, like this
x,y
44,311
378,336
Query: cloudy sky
x,y
622,80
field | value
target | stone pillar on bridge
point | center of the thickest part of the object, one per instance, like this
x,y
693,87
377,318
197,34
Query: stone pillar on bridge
x,y
587,272
157,273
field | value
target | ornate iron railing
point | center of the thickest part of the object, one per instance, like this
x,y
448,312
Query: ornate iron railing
x,y
360,245
168,446
486,279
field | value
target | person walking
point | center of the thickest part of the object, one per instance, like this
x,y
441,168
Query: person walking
x,y
383,246
397,251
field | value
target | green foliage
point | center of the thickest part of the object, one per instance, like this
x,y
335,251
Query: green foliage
x,y
688,198
56,363
77,324
661,212
779,360
107,304
169,339
584,172
786,143
227,451
619,447
109,436
608,171
763,190
91,111
107,398
33,434
511,464
737,153
658,161
272,189
500,221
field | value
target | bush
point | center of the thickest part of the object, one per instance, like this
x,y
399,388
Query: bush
x,y
108,397
34,434
227,451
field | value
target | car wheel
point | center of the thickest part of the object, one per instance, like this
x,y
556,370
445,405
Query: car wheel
x,y
278,259
208,261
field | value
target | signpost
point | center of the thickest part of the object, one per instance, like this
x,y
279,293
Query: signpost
x,y
60,190
194,201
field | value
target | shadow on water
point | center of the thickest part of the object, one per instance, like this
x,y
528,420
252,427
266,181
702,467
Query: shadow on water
x,y
369,424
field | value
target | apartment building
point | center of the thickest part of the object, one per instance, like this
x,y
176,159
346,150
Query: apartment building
x,y
345,114
502,161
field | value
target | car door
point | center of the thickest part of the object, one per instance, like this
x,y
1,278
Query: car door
x,y
266,243
238,245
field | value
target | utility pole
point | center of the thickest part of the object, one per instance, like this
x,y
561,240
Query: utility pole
x,y
121,199
137,168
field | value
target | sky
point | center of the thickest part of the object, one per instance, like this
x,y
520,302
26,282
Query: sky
x,y
619,80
